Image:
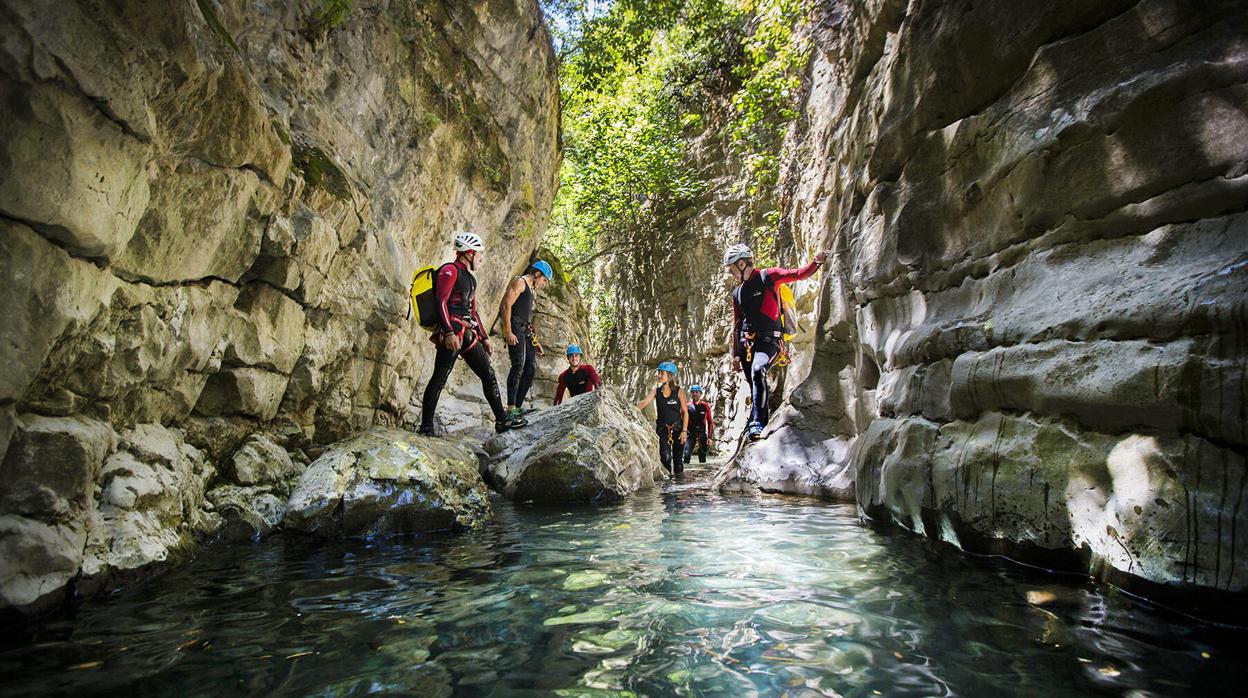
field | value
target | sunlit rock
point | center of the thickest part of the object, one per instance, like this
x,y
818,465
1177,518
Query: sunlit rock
x,y
594,448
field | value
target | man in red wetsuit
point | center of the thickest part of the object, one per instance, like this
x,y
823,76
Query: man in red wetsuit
x,y
701,426
578,378
460,332
756,329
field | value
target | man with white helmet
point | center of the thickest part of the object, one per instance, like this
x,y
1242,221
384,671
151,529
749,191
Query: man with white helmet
x,y
460,332
757,333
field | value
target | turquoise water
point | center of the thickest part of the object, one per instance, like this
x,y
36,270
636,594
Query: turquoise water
x,y
676,592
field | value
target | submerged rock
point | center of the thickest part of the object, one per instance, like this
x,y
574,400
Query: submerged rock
x,y
594,448
389,481
247,513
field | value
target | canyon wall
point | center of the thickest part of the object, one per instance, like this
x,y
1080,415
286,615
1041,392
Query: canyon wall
x,y
1031,334
211,211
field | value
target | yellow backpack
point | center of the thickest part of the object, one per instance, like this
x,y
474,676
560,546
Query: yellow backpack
x,y
788,312
423,301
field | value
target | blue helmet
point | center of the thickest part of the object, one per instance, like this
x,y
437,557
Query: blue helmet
x,y
693,388
668,366
572,349
544,268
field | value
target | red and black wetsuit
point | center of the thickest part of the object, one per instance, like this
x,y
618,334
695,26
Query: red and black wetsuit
x,y
455,291
701,430
577,382
757,330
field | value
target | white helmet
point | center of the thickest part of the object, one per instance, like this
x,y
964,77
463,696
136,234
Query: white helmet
x,y
468,241
737,253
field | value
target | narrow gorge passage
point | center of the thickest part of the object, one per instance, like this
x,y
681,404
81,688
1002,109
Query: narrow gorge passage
x,y
678,591
291,291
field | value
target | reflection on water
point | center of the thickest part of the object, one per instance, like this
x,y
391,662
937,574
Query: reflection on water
x,y
674,592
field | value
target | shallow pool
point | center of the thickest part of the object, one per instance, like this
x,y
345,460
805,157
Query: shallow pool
x,y
676,592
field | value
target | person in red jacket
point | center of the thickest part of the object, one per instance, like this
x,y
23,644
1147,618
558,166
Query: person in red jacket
x,y
460,332
701,426
757,333
578,378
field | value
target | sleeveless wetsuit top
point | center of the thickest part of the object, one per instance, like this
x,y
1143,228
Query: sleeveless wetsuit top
x,y
668,407
522,310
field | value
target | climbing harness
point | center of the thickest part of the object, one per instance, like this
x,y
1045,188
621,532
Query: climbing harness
x,y
781,358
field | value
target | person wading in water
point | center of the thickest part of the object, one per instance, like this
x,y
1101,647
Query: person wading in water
x,y
516,310
672,421
756,328
578,378
460,333
701,426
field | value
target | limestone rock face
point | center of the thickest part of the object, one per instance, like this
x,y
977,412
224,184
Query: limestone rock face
x,y
389,481
594,448
209,216
151,504
48,499
1030,334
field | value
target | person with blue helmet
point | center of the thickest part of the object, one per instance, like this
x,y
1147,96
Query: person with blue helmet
x,y
701,426
672,417
516,310
579,378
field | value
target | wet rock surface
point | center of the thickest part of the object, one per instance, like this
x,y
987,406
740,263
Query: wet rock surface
x,y
387,481
594,448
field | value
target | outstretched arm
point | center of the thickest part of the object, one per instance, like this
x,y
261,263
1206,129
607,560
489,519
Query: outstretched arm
x,y
780,275
646,402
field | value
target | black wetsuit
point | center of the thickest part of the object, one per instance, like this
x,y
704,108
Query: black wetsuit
x,y
669,425
455,289
524,354
699,436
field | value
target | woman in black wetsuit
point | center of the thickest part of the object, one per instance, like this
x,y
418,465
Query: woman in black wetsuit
x,y
672,422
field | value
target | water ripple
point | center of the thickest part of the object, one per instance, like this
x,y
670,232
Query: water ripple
x,y
675,592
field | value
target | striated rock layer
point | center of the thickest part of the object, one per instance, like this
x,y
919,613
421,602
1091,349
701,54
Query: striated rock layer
x,y
209,214
1032,336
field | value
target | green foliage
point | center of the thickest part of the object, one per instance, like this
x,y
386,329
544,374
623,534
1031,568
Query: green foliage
x,y
326,15
775,56
640,79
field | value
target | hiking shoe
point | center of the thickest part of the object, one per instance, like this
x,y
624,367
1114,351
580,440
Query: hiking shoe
x,y
514,413
510,423
426,430
756,431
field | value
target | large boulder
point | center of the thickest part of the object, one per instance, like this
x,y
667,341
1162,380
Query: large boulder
x,y
594,448
389,481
